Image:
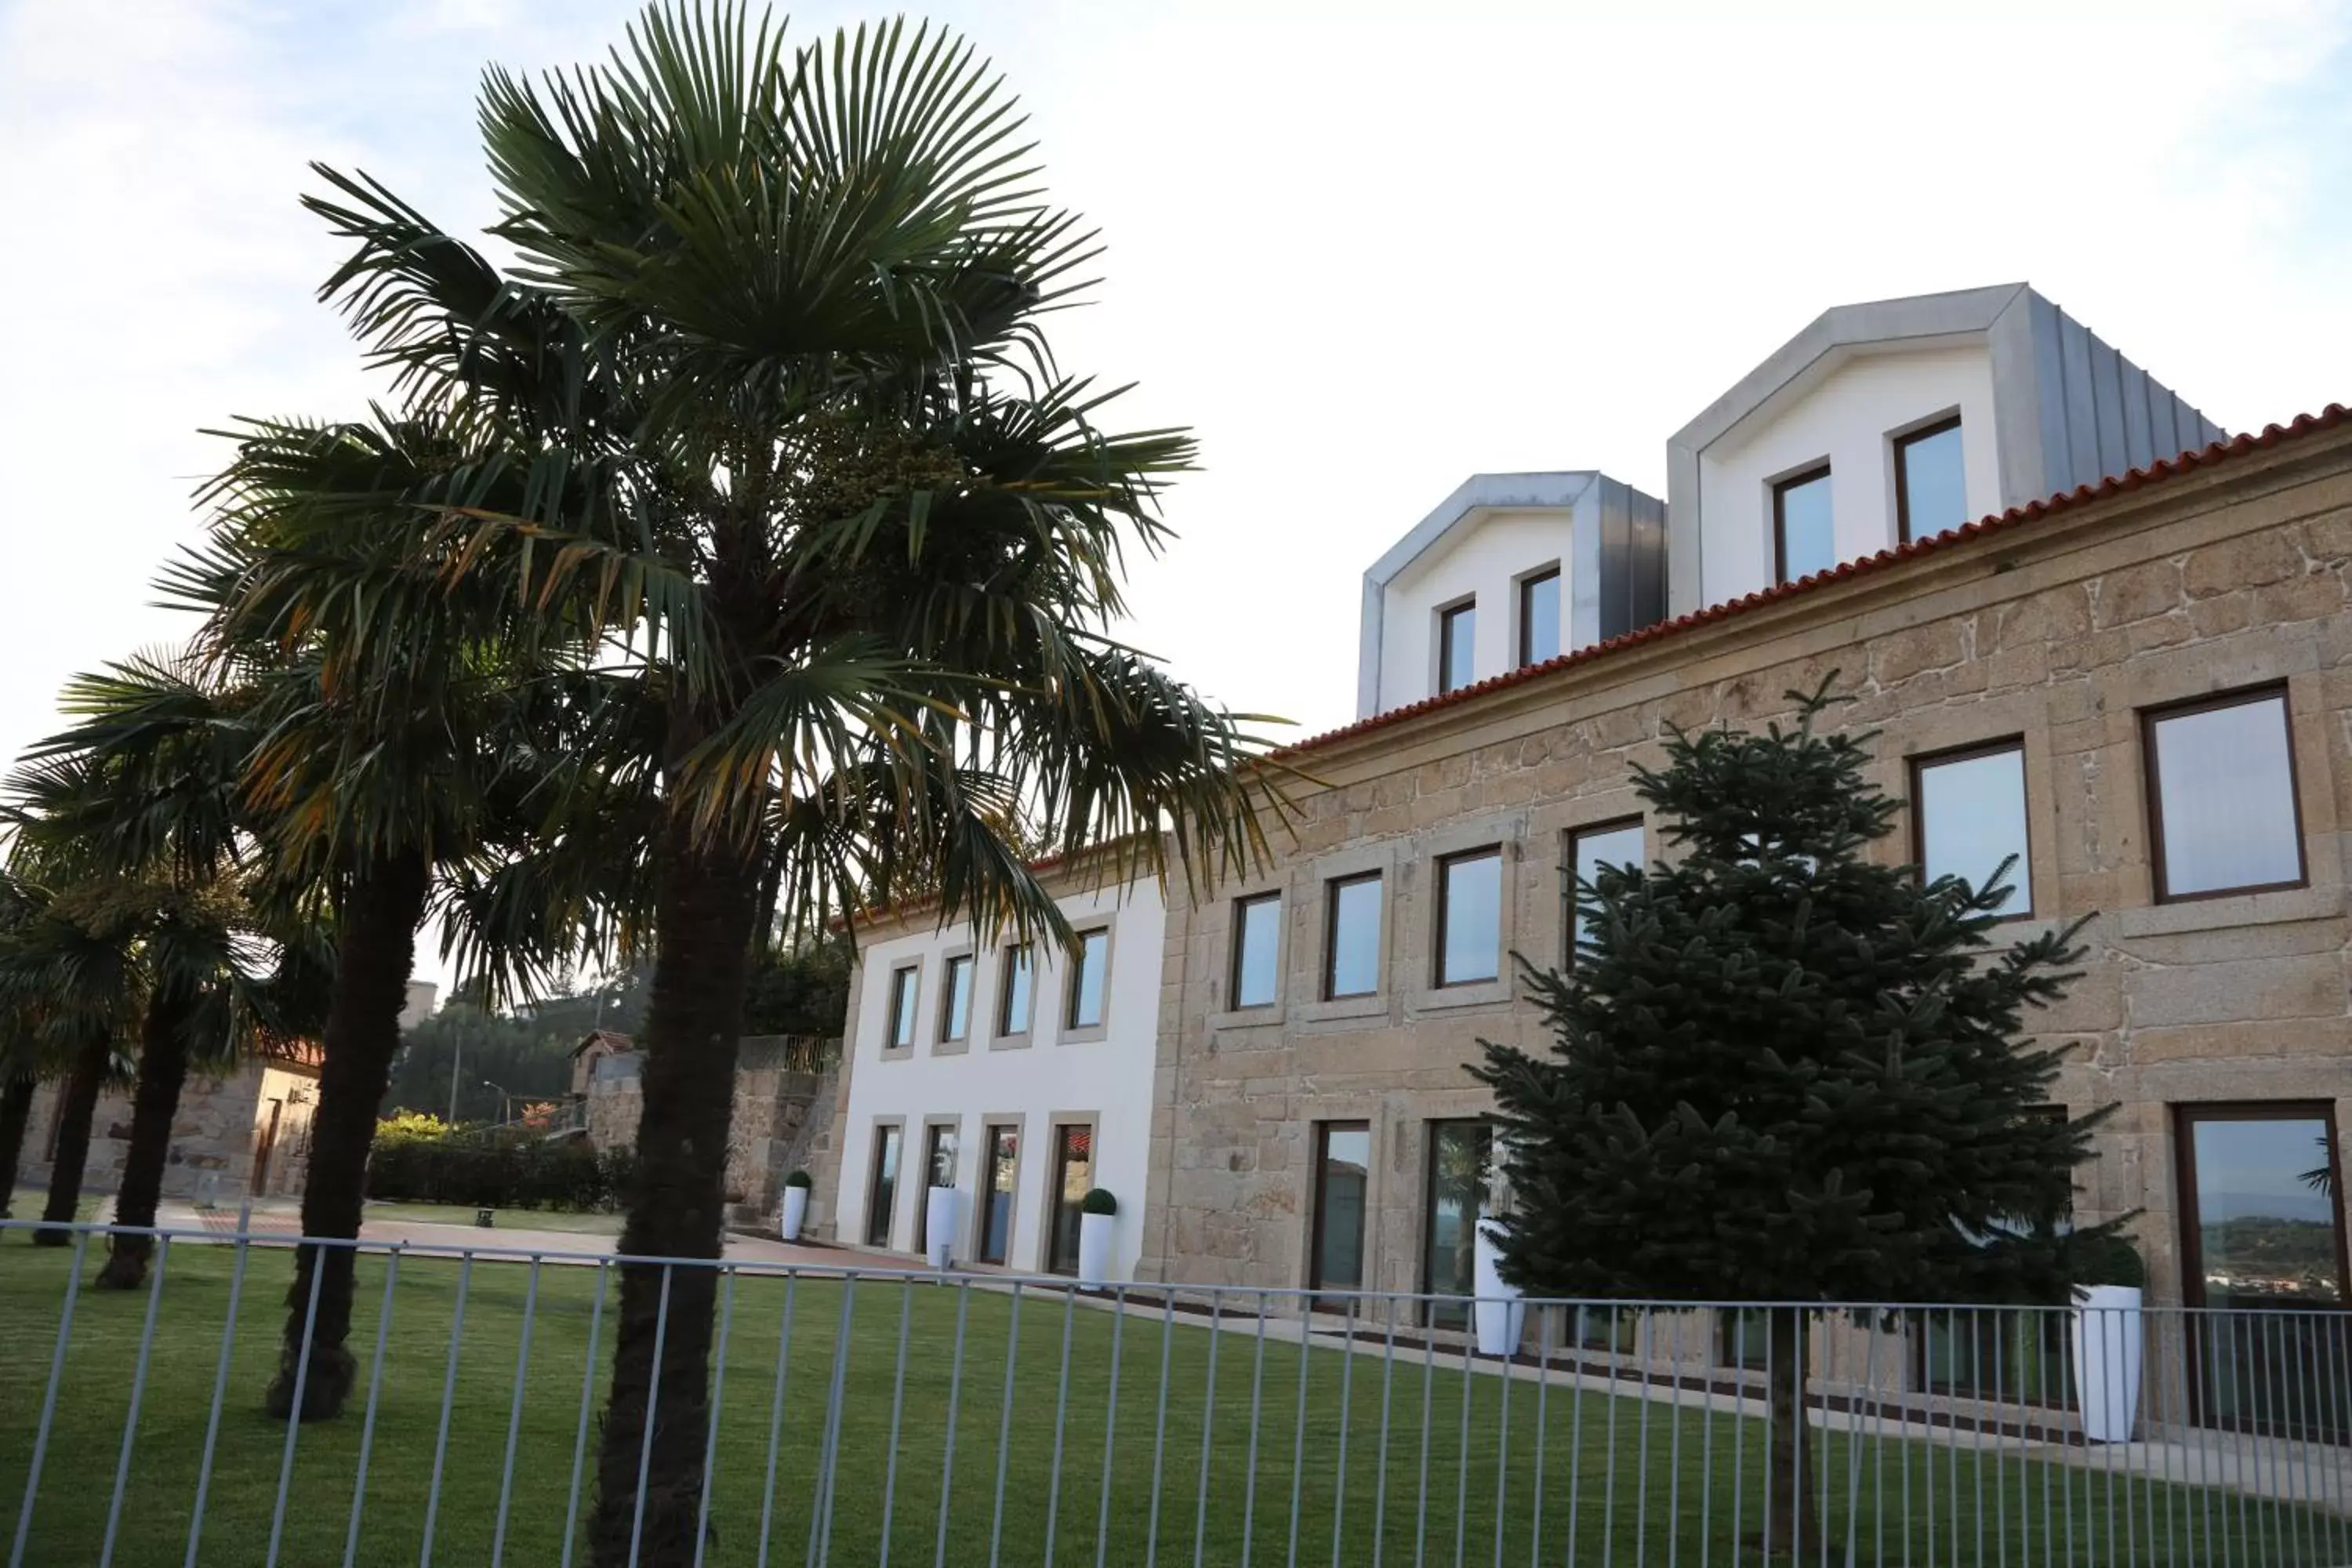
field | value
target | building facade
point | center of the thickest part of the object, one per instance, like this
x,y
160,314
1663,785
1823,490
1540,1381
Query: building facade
x,y
243,1133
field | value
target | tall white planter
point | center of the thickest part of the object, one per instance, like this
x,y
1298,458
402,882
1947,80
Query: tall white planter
x,y
2109,1336
796,1212
939,1213
1499,1315
1095,1232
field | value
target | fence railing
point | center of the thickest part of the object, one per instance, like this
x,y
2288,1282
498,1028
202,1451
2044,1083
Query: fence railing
x,y
864,1415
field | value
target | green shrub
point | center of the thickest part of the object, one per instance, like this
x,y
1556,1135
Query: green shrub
x,y
507,1172
1097,1201
800,1179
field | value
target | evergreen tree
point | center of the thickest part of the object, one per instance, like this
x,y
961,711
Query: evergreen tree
x,y
1784,1072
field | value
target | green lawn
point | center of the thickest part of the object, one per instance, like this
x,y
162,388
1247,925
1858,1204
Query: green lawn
x,y
1666,1474
506,1219
26,1202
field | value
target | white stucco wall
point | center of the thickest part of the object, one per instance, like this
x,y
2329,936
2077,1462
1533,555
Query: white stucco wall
x,y
1848,418
1486,555
1048,1079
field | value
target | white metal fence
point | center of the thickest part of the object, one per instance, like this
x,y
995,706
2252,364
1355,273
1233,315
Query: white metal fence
x,y
877,1417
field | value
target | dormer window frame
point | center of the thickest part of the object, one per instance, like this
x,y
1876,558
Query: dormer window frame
x,y
1899,441
1796,479
1441,620
1523,650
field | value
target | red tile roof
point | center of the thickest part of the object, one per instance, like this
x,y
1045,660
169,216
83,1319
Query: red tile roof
x,y
2328,418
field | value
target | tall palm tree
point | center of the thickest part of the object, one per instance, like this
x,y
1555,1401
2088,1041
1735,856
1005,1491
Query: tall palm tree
x,y
849,537
21,1062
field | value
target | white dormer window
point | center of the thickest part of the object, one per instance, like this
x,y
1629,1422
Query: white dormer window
x,y
1457,646
1539,617
1803,542
1931,493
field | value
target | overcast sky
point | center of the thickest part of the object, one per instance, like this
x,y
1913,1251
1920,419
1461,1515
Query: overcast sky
x,y
1364,250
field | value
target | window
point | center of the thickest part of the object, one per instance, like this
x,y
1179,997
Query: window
x,y
1454,1200
1343,1164
1743,1338
2263,1248
1539,617
1996,1352
1457,646
1968,816
1351,950
955,998
1074,1174
1013,995
1931,493
1803,542
1588,849
940,1171
1257,948
904,985
882,1194
2222,800
1088,978
1470,917
1000,1164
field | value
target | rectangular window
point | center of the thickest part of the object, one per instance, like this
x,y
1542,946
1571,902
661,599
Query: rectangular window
x,y
1539,617
1803,540
1967,814
1588,849
2263,1248
1351,950
1343,1165
905,985
1743,1338
1074,1174
1257,948
2221,798
1012,993
1931,493
1088,977
1457,646
1470,917
1996,1352
1454,1200
955,998
939,1171
1000,1164
882,1194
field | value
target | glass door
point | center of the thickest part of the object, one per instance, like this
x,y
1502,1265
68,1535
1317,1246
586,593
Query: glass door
x,y
882,1196
1454,1200
1343,1163
1000,1164
2262,1242
1074,1174
940,1171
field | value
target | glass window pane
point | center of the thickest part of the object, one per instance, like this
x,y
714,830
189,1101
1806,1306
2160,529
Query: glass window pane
x,y
1013,1015
1339,1191
1590,851
2225,796
1087,979
1802,517
1935,490
1539,618
2265,1215
996,1201
1074,1167
1471,899
958,1023
903,987
939,1171
882,1197
1353,965
1457,652
1256,947
1972,817
1455,1201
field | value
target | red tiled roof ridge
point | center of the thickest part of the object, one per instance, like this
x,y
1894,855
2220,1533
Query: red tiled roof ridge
x,y
2328,418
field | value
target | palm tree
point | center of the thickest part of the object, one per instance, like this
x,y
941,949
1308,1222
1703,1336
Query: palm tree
x,y
847,539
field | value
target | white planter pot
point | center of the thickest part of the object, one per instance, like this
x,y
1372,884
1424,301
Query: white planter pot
x,y
1498,1314
796,1212
939,1213
1095,1234
2109,1332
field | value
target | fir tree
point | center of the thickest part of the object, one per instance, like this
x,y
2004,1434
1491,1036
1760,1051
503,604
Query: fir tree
x,y
1784,1072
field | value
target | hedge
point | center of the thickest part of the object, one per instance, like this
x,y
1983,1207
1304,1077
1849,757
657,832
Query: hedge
x,y
509,1173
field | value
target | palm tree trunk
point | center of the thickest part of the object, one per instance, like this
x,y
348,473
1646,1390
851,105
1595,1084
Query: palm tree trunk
x,y
15,1113
83,1081
1793,1525
376,947
154,1106
705,906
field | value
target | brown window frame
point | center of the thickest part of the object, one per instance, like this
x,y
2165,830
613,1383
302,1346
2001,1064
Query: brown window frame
x,y
879,1235
906,1007
1903,444
1323,1131
1432,1131
1567,873
931,1130
1331,935
2152,785
1078,977
1969,754
1526,648
984,1189
1025,954
1446,681
1233,960
1057,1201
1780,488
1443,913
970,963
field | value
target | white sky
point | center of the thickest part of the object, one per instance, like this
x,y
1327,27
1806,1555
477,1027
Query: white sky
x,y
1365,250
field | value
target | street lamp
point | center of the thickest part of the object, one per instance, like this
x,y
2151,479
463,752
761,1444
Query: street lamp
x,y
506,1101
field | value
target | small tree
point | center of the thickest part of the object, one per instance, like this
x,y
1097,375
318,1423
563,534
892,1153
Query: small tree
x,y
1783,1072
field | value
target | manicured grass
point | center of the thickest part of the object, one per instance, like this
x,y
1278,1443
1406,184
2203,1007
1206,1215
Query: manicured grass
x,y
1619,1474
506,1219
25,1203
